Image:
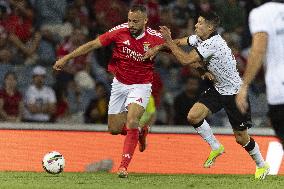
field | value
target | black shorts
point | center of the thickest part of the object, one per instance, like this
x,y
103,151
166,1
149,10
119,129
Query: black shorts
x,y
214,101
276,115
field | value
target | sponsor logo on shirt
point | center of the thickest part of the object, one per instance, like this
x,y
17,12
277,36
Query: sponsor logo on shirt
x,y
132,54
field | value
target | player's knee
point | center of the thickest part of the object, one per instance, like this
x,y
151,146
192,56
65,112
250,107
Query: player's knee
x,y
240,140
193,118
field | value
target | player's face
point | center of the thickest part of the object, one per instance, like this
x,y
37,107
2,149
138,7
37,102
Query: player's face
x,y
202,28
136,22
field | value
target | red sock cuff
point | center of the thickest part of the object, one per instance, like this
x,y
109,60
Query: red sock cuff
x,y
132,130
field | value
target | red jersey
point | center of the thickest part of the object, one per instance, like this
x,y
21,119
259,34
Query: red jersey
x,y
127,62
11,103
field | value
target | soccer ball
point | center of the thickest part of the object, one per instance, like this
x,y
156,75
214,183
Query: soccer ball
x,y
53,162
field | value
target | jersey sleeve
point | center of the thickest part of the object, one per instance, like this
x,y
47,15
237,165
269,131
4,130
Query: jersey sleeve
x,y
258,22
206,49
110,36
107,38
193,40
160,41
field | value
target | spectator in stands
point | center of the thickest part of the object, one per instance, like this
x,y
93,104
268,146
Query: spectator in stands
x,y
78,15
55,26
11,103
182,11
232,14
50,16
40,100
153,11
109,13
185,100
76,98
62,106
96,111
21,32
81,63
5,47
204,6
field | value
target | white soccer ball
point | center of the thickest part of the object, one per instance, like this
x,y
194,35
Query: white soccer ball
x,y
53,162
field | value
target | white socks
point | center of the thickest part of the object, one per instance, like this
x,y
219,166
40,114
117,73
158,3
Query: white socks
x,y
206,133
256,155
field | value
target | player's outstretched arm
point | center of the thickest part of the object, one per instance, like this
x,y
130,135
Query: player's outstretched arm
x,y
83,49
183,57
181,41
152,52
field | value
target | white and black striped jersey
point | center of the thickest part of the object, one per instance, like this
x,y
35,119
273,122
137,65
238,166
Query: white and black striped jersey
x,y
269,18
220,62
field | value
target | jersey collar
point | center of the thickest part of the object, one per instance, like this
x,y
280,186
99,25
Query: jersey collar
x,y
140,36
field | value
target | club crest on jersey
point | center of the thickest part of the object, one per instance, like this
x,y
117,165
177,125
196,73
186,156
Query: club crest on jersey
x,y
146,46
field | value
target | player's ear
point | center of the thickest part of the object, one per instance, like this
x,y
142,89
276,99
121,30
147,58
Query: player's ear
x,y
211,27
145,21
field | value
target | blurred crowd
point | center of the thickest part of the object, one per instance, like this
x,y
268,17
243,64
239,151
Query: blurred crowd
x,y
34,33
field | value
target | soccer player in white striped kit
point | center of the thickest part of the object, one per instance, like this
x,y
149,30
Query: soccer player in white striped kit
x,y
212,56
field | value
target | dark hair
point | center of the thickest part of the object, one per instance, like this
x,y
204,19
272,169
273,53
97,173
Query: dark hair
x,y
212,18
138,7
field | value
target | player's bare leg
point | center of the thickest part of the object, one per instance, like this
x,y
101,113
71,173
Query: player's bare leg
x,y
134,114
248,143
116,123
147,119
196,118
145,128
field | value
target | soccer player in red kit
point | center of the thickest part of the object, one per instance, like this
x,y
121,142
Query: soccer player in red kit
x,y
131,87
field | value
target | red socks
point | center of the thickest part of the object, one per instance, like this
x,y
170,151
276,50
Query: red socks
x,y
130,144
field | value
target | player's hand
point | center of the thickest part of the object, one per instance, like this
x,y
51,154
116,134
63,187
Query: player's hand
x,y
208,75
166,33
151,53
241,99
59,64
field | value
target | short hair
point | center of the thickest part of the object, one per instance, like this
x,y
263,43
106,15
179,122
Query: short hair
x,y
138,7
212,18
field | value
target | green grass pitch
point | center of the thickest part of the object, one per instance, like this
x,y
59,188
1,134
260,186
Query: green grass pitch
x,y
31,180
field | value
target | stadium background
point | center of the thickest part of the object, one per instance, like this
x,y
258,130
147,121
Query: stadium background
x,y
47,30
